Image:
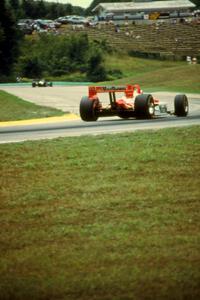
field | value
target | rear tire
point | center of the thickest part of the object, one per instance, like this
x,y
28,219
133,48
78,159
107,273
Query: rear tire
x,y
88,111
144,106
181,106
33,84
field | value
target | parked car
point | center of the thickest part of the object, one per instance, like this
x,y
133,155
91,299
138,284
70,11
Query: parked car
x,y
25,25
40,24
52,24
77,20
63,20
91,21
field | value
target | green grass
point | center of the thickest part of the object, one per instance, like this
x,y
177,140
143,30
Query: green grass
x,y
14,108
156,75
107,217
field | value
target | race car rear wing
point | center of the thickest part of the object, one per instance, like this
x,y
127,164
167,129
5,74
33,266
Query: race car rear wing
x,y
128,90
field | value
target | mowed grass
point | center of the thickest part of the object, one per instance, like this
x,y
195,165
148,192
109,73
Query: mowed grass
x,y
106,217
154,75
14,108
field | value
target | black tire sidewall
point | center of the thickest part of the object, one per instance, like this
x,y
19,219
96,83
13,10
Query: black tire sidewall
x,y
87,109
181,107
142,104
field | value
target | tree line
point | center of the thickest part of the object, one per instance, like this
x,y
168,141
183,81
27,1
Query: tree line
x,y
36,9
50,55
55,56
9,40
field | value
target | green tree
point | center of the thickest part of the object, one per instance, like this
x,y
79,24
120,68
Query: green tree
x,y
96,71
8,39
197,2
27,7
15,4
31,67
59,55
78,48
16,7
53,11
41,9
68,9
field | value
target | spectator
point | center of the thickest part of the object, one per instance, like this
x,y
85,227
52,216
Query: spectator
x,y
189,60
117,29
194,60
127,33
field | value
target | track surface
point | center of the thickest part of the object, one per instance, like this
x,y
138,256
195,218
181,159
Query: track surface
x,y
68,98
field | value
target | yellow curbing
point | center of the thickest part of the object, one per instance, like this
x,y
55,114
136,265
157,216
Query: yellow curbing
x,y
40,121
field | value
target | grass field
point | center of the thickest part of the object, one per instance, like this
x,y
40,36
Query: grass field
x,y
152,75
107,217
14,108
156,75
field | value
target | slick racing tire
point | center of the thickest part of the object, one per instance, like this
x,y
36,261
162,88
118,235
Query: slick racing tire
x,y
88,109
181,106
144,106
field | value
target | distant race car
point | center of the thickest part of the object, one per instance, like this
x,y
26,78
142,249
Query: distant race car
x,y
41,83
133,104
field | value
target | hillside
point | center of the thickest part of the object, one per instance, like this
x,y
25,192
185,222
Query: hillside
x,y
169,41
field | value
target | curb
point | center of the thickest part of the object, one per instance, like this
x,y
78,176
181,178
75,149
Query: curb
x,y
40,121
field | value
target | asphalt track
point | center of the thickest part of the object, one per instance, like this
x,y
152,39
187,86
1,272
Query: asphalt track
x,y
68,99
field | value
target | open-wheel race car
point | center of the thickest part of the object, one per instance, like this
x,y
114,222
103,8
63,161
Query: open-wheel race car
x,y
132,104
41,83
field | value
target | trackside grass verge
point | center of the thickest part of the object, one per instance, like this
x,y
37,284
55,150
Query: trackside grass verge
x,y
154,75
13,108
106,217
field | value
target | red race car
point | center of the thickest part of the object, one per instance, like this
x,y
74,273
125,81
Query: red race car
x,y
132,104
